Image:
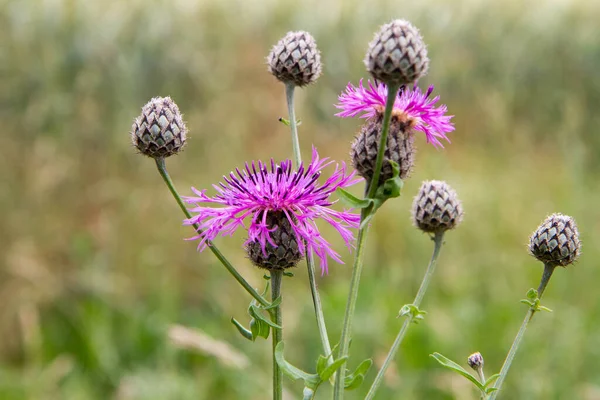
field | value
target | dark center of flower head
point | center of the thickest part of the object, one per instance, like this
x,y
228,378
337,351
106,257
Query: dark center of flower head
x,y
282,251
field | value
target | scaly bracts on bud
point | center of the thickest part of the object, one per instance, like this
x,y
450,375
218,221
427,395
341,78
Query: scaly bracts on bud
x,y
556,241
295,59
260,189
400,148
159,131
284,252
436,208
475,361
397,54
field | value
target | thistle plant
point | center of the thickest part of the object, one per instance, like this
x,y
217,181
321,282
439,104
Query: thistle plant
x,y
436,209
280,203
296,61
554,243
397,56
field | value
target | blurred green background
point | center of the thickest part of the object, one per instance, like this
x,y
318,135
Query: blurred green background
x,y
101,298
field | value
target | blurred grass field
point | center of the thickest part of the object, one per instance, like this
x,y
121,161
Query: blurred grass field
x,y
94,271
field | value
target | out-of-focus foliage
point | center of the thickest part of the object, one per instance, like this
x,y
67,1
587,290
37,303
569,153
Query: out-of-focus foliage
x,y
93,269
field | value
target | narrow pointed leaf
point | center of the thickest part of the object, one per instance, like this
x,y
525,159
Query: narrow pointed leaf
x,y
353,380
352,200
274,304
255,313
351,383
327,372
491,380
310,380
243,331
446,362
321,364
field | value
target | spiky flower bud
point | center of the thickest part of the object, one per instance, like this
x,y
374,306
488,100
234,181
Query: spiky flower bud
x,y
296,59
436,208
159,131
400,148
556,241
397,54
475,361
285,254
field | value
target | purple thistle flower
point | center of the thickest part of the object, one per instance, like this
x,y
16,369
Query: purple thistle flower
x,y
412,104
256,190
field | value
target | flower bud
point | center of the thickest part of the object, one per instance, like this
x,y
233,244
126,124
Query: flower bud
x,y
285,254
436,208
475,361
397,54
556,241
400,149
159,131
296,59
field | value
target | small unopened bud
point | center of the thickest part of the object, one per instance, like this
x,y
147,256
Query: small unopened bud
x,y
400,149
285,254
556,241
475,361
397,54
436,208
159,131
295,59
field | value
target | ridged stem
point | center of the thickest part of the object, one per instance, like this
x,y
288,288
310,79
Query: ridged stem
x,y
481,379
289,95
276,317
438,241
162,169
338,389
310,264
548,270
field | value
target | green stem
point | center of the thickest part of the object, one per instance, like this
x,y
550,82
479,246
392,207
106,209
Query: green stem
x,y
310,264
276,317
289,95
438,240
481,379
338,389
389,106
162,169
548,270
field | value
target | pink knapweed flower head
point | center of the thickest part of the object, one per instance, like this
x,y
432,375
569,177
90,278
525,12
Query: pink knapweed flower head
x,y
258,189
414,106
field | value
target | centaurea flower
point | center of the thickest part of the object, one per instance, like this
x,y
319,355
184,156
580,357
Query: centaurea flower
x,y
257,190
414,107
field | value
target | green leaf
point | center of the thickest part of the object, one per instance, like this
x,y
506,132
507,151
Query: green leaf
x,y
243,331
446,362
327,372
491,380
273,304
352,200
542,308
321,364
354,380
288,274
311,381
284,121
259,328
255,313
490,390
413,312
532,294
